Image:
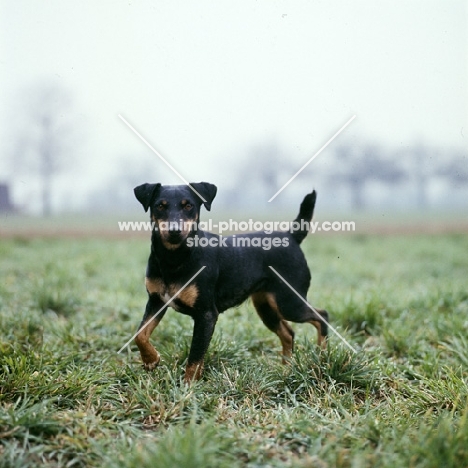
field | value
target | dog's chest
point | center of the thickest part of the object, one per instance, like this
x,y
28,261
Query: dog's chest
x,y
173,294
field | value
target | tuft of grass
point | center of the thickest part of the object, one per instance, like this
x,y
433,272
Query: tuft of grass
x,y
25,418
335,369
446,440
457,346
54,301
192,445
54,291
364,316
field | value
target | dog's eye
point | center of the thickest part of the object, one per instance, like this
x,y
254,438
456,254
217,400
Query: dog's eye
x,y
187,207
161,207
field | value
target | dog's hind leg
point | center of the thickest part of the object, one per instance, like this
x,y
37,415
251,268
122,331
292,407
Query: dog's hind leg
x,y
320,322
149,355
293,309
267,309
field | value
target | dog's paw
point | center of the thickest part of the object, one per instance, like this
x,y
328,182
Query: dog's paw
x,y
193,372
149,366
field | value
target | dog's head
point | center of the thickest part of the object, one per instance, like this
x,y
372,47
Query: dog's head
x,y
175,208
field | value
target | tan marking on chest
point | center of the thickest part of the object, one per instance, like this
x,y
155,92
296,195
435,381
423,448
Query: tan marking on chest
x,y
187,296
154,286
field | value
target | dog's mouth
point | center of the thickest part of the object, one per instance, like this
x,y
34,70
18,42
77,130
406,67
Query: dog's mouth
x,y
175,238
171,241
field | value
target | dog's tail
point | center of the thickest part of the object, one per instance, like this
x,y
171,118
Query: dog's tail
x,y
301,223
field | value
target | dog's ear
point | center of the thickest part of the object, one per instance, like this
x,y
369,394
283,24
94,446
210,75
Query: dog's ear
x,y
145,194
205,190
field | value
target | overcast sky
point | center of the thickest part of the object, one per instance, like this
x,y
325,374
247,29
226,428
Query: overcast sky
x,y
204,80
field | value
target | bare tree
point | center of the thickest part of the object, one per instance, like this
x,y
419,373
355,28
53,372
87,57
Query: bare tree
x,y
423,171
356,167
456,169
45,141
421,165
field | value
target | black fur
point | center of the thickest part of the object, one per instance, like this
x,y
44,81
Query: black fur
x,y
306,211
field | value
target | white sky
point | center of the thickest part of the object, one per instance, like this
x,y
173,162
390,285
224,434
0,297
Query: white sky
x,y
204,80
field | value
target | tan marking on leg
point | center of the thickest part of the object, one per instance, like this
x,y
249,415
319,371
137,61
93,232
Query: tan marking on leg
x,y
155,286
258,298
193,372
149,355
321,340
283,330
286,334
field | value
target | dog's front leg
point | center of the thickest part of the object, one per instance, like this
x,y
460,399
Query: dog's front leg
x,y
203,328
149,355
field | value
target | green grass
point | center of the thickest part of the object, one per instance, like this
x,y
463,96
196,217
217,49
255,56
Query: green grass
x,y
68,399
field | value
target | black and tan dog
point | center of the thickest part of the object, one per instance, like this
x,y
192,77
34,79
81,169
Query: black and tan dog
x,y
232,272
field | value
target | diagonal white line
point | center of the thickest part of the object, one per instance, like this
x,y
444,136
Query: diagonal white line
x,y
161,309
313,309
312,158
158,154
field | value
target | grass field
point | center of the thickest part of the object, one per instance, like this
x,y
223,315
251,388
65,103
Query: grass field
x,y
68,399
